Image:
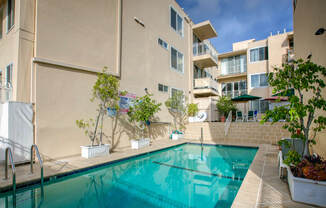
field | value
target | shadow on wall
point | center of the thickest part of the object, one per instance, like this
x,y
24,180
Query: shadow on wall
x,y
123,129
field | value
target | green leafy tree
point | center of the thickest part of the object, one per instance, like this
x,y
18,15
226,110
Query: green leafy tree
x,y
225,105
143,110
307,80
178,109
192,109
106,92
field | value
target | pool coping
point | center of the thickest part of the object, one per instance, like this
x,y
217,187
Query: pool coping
x,y
248,193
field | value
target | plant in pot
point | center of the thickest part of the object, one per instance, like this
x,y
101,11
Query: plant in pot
x,y
141,113
304,119
192,111
179,111
106,92
224,106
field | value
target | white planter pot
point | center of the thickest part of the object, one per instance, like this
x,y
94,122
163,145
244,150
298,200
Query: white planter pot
x,y
95,151
137,144
177,136
306,190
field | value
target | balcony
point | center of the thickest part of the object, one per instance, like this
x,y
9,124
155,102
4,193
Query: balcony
x,y
232,75
234,93
205,87
204,55
204,30
289,57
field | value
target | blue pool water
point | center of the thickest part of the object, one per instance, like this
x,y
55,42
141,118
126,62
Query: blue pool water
x,y
182,176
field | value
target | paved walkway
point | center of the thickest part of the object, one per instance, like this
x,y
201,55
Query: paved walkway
x,y
260,188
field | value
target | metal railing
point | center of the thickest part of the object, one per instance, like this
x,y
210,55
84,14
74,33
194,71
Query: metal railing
x,y
234,93
9,156
227,123
204,48
205,83
34,147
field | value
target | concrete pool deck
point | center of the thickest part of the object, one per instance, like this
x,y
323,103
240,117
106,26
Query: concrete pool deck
x,y
260,188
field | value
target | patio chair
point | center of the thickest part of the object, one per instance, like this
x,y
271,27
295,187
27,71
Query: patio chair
x,y
239,116
251,116
297,145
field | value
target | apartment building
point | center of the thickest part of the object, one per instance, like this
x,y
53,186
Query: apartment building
x,y
205,62
308,18
50,52
244,70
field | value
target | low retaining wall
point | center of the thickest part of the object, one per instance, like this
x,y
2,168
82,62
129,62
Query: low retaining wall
x,y
249,131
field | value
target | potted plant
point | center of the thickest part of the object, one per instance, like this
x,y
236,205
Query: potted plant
x,y
192,109
305,170
106,92
224,106
143,110
179,111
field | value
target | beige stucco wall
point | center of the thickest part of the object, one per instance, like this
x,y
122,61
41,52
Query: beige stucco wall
x,y
308,17
241,45
238,131
256,68
16,47
87,44
9,45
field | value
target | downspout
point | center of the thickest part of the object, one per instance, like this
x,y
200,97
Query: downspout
x,y
32,101
119,39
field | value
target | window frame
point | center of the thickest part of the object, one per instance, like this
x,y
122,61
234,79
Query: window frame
x,y
1,21
162,45
176,19
183,61
7,15
11,65
165,88
258,54
258,74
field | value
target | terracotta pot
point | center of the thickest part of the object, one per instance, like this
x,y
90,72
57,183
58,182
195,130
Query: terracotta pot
x,y
222,119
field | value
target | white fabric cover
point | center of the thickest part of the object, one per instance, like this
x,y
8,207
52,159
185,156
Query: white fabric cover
x,y
16,130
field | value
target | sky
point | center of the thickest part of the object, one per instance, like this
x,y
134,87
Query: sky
x,y
238,20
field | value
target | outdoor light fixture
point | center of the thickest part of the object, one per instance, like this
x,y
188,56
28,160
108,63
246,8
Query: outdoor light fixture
x,y
320,31
146,90
309,56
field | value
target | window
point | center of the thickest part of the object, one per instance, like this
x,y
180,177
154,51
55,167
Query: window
x,y
176,21
9,75
1,16
201,73
163,88
163,43
176,60
234,89
0,78
10,14
261,106
258,54
259,80
234,64
175,91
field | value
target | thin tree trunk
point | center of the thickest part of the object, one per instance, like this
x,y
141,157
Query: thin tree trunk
x,y
101,133
95,130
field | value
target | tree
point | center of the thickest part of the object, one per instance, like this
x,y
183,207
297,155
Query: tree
x,y
192,109
143,110
177,108
307,80
106,92
225,105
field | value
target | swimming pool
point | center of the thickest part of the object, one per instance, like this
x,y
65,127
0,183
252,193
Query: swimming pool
x,y
181,176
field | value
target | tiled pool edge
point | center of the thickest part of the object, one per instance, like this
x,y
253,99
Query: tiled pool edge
x,y
250,190
247,195
31,182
